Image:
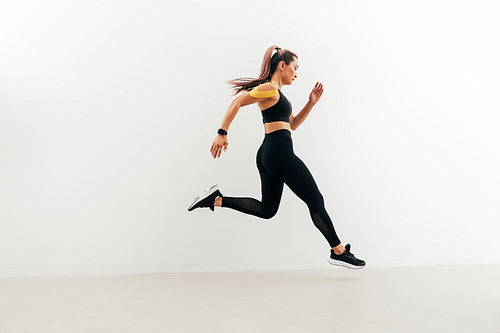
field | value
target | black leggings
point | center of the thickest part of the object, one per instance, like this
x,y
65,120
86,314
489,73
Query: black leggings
x,y
278,165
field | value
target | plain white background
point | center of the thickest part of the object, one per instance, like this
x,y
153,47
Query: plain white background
x,y
108,110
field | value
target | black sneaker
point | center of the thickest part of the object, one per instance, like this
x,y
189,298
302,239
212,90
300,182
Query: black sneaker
x,y
346,259
206,199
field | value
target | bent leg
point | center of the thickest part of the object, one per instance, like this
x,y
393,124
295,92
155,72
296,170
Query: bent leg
x,y
272,190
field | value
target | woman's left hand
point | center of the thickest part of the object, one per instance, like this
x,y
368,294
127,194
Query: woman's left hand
x,y
315,94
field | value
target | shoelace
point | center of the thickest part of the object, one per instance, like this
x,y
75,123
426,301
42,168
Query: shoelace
x,y
348,254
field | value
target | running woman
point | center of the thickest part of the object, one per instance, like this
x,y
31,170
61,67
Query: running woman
x,y
276,160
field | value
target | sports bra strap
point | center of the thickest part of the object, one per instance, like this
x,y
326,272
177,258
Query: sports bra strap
x,y
262,94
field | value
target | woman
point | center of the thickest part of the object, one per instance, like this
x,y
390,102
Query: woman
x,y
276,160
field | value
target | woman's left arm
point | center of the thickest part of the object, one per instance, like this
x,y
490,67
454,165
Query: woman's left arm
x,y
314,97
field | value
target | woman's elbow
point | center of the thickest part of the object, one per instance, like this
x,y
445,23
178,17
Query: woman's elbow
x,y
235,104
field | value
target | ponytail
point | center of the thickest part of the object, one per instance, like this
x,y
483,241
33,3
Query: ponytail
x,y
267,69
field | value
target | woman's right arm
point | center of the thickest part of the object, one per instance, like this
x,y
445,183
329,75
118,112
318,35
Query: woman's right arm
x,y
246,98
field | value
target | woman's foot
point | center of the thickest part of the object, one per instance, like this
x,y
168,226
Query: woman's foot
x,y
346,259
206,199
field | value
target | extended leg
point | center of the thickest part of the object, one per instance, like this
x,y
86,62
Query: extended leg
x,y
297,177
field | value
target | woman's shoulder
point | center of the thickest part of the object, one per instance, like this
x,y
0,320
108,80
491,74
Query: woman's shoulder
x,y
266,86
264,90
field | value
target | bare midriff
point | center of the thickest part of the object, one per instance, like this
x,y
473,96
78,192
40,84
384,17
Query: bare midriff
x,y
276,125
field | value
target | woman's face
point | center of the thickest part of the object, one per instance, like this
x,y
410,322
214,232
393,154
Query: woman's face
x,y
290,72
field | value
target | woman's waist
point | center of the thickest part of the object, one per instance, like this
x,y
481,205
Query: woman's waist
x,y
276,125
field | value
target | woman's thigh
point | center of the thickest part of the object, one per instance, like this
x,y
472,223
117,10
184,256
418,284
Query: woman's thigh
x,y
271,186
296,175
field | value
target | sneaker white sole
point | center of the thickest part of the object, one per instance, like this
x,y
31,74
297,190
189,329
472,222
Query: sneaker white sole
x,y
204,195
343,264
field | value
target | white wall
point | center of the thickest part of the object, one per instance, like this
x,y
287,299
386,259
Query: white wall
x,y
108,110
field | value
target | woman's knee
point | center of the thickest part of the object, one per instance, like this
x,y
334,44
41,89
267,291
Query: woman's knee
x,y
269,212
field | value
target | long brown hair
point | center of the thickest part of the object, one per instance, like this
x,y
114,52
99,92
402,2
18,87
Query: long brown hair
x,y
267,69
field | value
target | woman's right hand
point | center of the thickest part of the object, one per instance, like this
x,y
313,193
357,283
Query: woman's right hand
x,y
220,142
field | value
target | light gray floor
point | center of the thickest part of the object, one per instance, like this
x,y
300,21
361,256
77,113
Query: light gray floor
x,y
426,299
